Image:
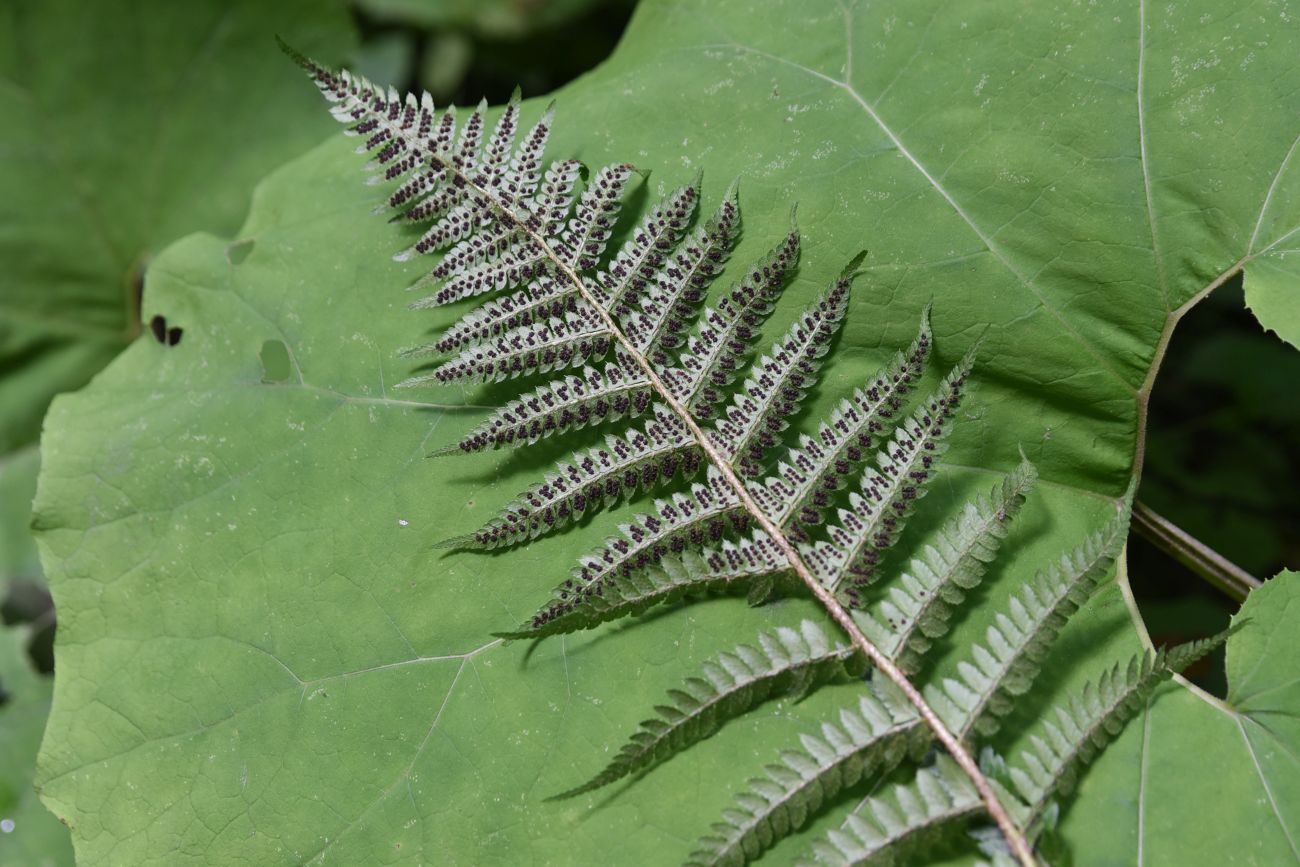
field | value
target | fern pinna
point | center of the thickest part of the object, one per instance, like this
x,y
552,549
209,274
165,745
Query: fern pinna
x,y
622,322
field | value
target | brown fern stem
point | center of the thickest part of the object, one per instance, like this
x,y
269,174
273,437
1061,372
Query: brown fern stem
x,y
1014,836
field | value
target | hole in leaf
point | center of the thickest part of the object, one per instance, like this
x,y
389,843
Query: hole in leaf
x,y
275,361
164,335
4,695
1219,440
238,251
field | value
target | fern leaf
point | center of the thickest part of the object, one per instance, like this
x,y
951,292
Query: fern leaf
x,y
786,662
779,382
712,355
811,473
697,518
486,245
540,301
1070,735
676,576
678,288
516,266
639,459
616,390
576,339
875,517
424,177
583,240
868,740
618,287
916,607
885,829
497,171
1015,644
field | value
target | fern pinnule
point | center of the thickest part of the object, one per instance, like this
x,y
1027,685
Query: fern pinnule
x,y
1072,733
787,662
865,741
779,381
1005,665
673,297
701,516
753,562
888,828
657,452
595,396
714,352
886,494
915,608
803,483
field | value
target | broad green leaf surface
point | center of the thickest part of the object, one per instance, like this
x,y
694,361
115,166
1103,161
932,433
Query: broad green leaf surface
x,y
262,658
127,125
30,836
1271,293
1198,780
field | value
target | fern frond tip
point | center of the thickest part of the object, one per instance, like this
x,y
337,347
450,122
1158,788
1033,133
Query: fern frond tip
x,y
463,542
851,269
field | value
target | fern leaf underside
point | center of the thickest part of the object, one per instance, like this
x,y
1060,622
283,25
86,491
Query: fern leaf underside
x,y
615,325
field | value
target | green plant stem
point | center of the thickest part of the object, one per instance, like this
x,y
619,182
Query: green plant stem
x,y
1193,553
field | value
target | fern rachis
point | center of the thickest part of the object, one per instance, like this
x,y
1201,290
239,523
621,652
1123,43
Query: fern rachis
x,y
525,236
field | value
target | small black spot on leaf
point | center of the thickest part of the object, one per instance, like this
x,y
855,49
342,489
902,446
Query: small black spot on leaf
x,y
164,335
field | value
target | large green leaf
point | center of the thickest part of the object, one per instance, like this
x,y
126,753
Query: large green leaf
x,y
29,835
127,125
1199,780
263,659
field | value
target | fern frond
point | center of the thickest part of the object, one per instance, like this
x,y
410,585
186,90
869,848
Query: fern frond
x,y
886,829
779,382
578,338
674,296
712,569
1007,663
804,482
916,607
541,300
868,740
615,391
619,286
785,662
1071,734
721,339
546,213
583,240
528,246
597,476
889,491
686,520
